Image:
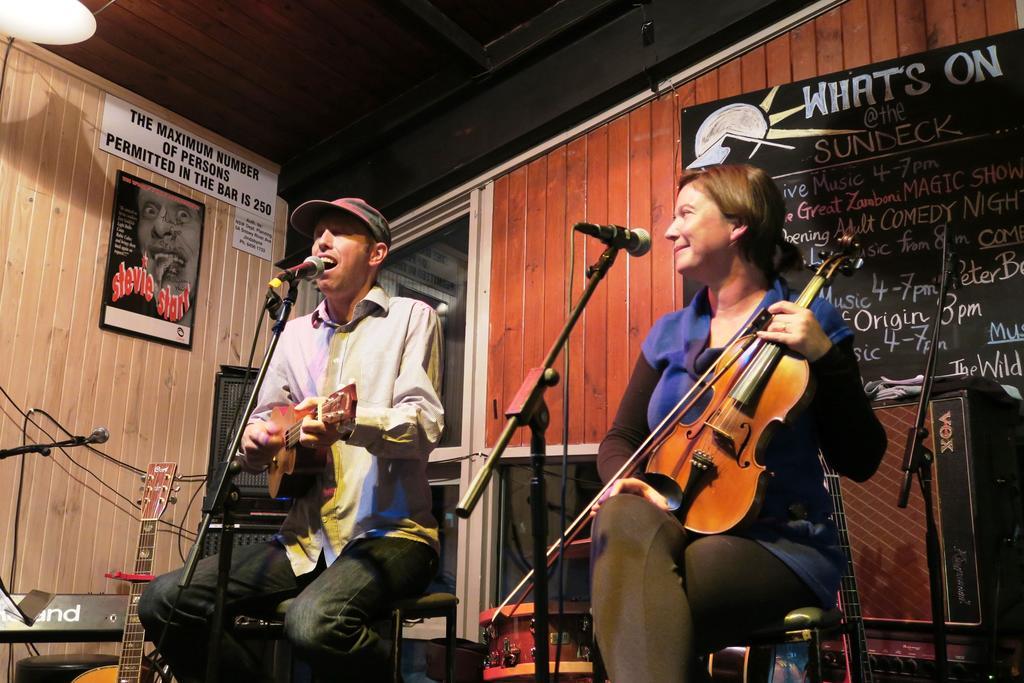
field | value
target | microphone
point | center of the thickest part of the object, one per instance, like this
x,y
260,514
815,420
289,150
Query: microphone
x,y
99,435
310,269
636,242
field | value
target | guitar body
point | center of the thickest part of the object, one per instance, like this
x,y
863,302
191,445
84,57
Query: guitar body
x,y
104,674
108,674
292,470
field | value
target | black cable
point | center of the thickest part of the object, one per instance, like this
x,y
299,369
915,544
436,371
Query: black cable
x,y
105,456
64,452
565,464
17,523
17,500
3,70
111,2
181,553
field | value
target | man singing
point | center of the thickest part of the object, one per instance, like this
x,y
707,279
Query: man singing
x,y
364,535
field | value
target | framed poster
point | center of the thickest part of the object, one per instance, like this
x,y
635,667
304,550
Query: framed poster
x,y
156,238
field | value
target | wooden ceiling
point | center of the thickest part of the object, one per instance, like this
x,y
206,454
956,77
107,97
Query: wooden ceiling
x,y
280,76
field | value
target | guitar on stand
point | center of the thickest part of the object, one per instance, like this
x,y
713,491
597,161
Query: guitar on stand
x,y
858,667
291,471
743,664
157,493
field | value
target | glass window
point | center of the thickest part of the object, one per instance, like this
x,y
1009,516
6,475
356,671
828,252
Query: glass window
x,y
444,489
515,542
434,269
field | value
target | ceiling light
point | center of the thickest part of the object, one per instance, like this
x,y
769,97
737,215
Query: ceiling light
x,y
50,22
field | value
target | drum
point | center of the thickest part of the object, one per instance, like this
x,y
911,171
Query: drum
x,y
510,646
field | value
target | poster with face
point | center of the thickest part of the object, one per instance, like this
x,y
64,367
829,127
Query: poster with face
x,y
156,237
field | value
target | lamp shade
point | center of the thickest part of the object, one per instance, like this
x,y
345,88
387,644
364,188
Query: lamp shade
x,y
49,22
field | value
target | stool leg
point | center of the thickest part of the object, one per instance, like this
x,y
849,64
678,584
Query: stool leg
x,y
449,655
814,657
396,646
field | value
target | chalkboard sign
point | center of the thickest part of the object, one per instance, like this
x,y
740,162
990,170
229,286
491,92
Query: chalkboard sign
x,y
899,153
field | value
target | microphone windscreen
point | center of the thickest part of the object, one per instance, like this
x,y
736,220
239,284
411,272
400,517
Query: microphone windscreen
x,y
643,242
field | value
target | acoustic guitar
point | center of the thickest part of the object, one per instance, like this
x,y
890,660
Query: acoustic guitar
x,y
858,666
156,495
291,470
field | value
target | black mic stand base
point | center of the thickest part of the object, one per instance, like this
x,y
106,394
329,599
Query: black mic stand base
x,y
225,494
528,408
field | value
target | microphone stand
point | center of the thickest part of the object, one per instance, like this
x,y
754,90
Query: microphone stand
x,y
918,459
226,494
528,408
45,448
41,449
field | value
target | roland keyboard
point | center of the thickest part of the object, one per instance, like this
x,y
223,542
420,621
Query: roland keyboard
x,y
73,618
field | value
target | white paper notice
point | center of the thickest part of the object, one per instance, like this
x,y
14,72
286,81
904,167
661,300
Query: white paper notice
x,y
253,234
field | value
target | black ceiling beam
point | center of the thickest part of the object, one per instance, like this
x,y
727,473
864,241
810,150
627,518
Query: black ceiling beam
x,y
446,29
413,105
523,105
553,22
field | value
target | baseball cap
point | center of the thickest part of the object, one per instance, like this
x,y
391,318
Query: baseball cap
x,y
304,218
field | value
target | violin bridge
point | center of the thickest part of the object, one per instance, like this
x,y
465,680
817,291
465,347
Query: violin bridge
x,y
724,439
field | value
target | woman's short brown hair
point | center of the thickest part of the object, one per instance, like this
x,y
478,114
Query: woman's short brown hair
x,y
747,195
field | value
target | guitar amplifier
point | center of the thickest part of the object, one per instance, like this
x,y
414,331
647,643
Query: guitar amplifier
x,y
978,512
230,395
244,535
909,657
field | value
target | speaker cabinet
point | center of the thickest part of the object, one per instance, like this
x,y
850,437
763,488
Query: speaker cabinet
x,y
978,511
244,535
255,505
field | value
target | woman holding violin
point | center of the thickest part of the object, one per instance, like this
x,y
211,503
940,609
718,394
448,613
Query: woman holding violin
x,y
663,596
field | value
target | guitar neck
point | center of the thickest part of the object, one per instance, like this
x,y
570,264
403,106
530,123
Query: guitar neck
x,y
129,664
858,664
157,494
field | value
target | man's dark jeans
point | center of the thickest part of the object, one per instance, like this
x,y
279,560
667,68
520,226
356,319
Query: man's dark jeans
x,y
328,624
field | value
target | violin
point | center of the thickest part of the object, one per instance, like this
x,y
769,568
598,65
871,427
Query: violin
x,y
710,467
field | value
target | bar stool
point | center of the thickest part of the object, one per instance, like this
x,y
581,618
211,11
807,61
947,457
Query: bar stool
x,y
422,607
807,624
58,668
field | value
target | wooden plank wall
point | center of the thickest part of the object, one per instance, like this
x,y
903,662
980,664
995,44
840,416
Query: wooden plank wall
x,y
56,197
624,172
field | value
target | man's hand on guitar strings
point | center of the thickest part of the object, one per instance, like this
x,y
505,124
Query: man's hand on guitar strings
x,y
261,441
315,433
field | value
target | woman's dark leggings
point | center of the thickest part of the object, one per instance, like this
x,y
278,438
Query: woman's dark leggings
x,y
660,602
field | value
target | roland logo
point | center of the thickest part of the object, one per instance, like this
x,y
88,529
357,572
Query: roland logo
x,y
946,432
53,615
